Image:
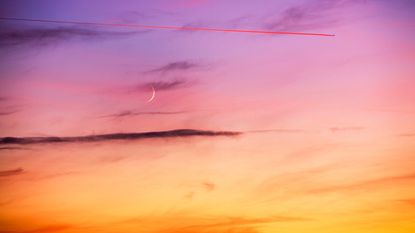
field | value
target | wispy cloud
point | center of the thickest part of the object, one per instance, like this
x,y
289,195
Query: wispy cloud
x,y
46,229
209,186
13,172
240,221
366,184
174,66
168,85
5,113
12,148
165,85
408,201
277,131
312,14
117,136
220,224
407,135
11,36
340,129
129,113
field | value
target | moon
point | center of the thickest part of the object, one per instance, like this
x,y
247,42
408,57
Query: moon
x,y
153,95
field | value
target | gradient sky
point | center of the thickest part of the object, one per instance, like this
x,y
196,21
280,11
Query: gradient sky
x,y
288,133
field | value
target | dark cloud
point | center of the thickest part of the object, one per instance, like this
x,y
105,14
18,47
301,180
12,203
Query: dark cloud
x,y
117,136
12,36
129,113
13,172
312,14
12,148
174,66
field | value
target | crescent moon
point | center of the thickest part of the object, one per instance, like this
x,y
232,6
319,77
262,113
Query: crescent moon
x,y
153,95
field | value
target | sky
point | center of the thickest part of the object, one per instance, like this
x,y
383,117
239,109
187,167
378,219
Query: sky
x,y
127,129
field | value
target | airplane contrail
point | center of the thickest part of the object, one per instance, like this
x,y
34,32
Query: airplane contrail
x,y
168,27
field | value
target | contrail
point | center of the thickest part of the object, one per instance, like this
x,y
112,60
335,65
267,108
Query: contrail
x,y
168,27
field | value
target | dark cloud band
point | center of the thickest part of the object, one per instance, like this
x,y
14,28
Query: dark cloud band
x,y
13,172
117,136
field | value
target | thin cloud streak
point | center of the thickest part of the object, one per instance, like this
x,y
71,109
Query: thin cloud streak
x,y
124,114
163,85
365,184
342,129
238,221
170,27
45,36
311,15
8,113
13,172
12,148
46,229
174,66
117,136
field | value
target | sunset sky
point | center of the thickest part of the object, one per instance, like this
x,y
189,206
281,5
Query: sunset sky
x,y
117,129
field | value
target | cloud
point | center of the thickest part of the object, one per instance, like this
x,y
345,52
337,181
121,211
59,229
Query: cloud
x,y
161,85
129,113
312,14
407,135
117,136
45,36
340,129
408,201
46,229
12,148
220,224
174,66
13,172
8,112
278,131
239,221
366,184
209,186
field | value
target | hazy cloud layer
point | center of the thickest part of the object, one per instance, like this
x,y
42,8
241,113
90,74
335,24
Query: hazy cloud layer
x,y
117,136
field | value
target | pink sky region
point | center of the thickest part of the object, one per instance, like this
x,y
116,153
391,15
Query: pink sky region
x,y
126,129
